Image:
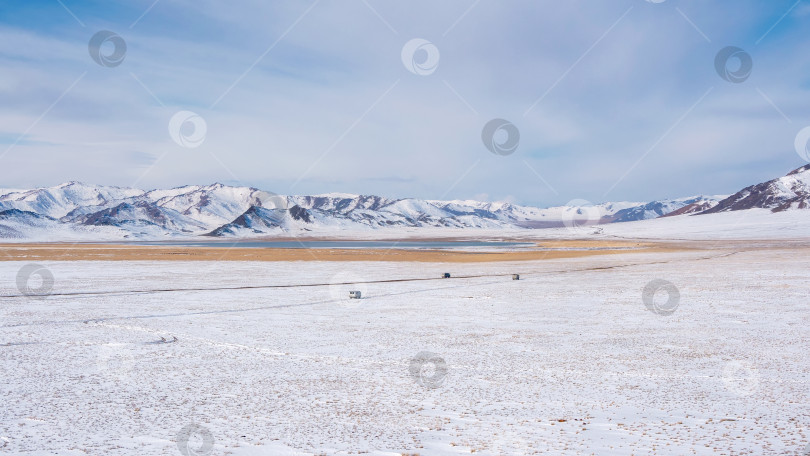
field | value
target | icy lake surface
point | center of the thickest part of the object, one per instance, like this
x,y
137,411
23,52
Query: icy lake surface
x,y
567,361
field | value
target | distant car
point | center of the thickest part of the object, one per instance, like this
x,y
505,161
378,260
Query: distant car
x,y
515,276
446,275
355,295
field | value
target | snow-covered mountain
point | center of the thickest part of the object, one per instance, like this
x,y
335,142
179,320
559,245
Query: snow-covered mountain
x,y
657,209
76,210
15,223
56,202
81,211
258,220
788,192
137,214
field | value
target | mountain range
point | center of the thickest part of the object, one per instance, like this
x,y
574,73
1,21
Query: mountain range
x,y
80,211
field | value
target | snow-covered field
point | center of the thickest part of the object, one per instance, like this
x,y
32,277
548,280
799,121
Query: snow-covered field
x,y
568,360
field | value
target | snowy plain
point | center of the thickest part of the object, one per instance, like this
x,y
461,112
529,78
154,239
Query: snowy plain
x,y
568,360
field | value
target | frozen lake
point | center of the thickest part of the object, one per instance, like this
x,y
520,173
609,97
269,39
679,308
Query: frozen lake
x,y
568,360
343,244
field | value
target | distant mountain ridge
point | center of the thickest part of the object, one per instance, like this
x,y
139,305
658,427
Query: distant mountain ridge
x,y
77,210
788,192
657,209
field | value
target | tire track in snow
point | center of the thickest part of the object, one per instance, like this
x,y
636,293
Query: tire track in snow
x,y
310,285
282,306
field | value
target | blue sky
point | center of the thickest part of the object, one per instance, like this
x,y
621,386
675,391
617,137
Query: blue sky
x,y
613,99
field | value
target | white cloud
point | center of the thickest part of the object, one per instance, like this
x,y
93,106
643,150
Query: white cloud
x,y
610,97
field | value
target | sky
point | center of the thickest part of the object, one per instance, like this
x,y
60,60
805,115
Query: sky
x,y
532,102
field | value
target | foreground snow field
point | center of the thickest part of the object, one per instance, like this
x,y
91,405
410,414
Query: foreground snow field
x,y
567,360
